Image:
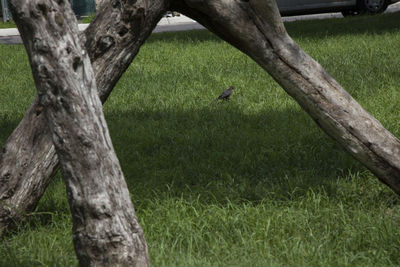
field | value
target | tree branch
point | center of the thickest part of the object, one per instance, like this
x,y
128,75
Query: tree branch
x,y
255,27
28,159
105,227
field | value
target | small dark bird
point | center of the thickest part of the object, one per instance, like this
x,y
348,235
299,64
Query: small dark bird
x,y
225,94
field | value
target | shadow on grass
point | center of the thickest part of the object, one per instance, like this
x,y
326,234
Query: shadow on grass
x,y
320,28
221,154
217,155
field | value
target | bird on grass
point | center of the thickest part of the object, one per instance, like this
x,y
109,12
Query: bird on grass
x,y
225,94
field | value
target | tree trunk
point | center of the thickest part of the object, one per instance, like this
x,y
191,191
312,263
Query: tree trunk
x,y
105,228
255,27
28,159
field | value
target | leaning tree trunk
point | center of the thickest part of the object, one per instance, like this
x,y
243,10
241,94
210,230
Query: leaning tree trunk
x,y
28,159
255,27
105,228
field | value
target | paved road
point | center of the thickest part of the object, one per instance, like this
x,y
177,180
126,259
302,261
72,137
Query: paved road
x,y
182,23
391,9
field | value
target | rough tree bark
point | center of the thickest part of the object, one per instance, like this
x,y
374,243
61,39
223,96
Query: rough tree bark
x,y
255,27
105,228
28,159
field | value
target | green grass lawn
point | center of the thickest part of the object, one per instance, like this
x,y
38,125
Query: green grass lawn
x,y
8,24
249,182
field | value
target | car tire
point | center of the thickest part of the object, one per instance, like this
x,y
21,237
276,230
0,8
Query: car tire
x,y
372,6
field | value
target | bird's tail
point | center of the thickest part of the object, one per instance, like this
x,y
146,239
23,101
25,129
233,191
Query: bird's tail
x,y
215,100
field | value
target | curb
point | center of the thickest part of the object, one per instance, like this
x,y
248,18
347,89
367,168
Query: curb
x,y
180,23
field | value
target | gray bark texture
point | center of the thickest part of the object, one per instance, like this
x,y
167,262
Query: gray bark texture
x,y
106,231
255,27
28,159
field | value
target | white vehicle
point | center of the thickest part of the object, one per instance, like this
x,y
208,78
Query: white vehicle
x,y
347,7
